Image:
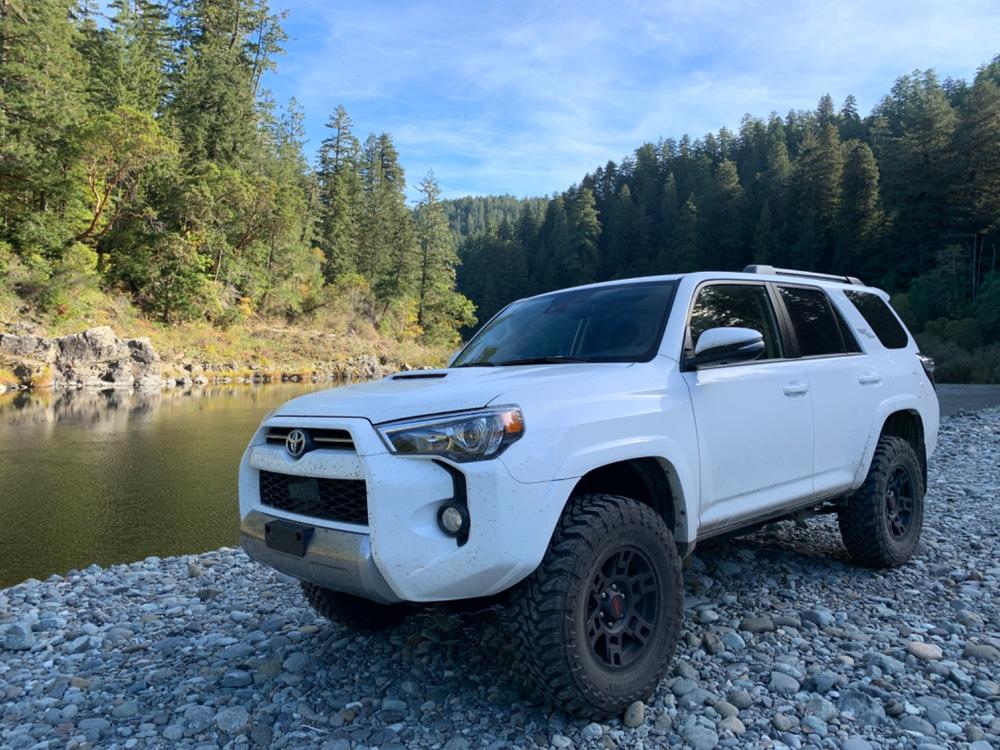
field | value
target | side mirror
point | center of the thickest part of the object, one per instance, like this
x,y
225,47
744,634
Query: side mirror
x,y
453,357
726,345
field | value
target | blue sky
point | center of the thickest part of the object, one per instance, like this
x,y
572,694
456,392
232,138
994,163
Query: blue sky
x,y
526,97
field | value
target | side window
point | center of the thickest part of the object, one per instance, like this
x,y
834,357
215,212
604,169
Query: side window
x,y
879,316
736,305
818,327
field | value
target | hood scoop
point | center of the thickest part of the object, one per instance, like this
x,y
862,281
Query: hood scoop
x,y
420,376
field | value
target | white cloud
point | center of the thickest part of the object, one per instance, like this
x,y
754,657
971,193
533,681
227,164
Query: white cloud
x,y
527,97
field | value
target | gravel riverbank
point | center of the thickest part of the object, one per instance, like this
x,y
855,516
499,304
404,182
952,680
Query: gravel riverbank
x,y
786,644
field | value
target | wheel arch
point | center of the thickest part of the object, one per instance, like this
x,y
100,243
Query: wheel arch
x,y
903,419
651,480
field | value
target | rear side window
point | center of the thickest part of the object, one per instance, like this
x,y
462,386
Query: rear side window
x,y
818,327
881,319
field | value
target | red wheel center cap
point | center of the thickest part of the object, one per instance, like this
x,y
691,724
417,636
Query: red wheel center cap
x,y
617,606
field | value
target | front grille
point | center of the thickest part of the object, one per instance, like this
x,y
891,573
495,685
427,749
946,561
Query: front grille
x,y
343,500
321,438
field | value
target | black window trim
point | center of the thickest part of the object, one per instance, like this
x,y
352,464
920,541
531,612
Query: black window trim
x,y
793,337
687,346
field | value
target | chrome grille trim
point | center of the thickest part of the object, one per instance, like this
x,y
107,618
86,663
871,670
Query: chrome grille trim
x,y
323,438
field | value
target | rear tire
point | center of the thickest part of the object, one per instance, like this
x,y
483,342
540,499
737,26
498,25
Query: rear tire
x,y
353,611
882,521
596,624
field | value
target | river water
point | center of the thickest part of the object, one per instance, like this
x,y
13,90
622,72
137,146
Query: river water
x,y
116,476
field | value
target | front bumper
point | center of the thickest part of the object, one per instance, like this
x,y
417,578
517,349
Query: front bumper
x,y
402,554
338,560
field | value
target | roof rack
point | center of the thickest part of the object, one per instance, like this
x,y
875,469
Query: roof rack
x,y
805,274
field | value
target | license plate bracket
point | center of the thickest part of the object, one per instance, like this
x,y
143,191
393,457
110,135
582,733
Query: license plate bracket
x,y
288,537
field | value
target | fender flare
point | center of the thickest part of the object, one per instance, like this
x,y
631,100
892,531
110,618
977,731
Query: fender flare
x,y
888,407
675,461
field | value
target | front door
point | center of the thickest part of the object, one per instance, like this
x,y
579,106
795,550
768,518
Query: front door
x,y
754,419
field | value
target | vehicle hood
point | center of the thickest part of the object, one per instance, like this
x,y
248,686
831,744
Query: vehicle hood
x,y
421,392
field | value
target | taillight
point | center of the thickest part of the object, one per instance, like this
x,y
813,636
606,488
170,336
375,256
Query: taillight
x,y
928,364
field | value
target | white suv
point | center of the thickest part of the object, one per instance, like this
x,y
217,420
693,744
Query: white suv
x,y
579,447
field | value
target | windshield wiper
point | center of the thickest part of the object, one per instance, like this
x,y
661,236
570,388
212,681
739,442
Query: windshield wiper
x,y
541,361
476,364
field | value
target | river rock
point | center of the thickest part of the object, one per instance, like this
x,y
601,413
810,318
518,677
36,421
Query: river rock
x,y
635,714
924,651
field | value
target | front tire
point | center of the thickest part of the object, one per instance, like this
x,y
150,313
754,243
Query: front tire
x,y
882,521
596,624
353,611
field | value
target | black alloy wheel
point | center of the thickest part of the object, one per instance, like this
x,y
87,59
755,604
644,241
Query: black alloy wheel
x,y
899,501
621,611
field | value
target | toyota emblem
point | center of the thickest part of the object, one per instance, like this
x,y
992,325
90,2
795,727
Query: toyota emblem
x,y
295,443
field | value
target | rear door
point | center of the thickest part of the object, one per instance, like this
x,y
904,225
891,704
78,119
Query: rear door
x,y
754,419
846,384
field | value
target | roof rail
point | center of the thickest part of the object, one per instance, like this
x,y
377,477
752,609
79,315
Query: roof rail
x,y
805,274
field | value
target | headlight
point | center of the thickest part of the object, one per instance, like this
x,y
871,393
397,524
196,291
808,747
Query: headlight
x,y
465,436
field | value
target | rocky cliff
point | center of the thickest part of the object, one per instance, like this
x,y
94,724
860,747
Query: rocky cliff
x,y
94,358
97,358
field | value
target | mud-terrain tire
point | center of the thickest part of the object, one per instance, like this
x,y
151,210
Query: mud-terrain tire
x,y
881,522
596,624
353,611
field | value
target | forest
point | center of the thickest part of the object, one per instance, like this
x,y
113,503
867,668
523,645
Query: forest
x,y
907,198
146,174
143,164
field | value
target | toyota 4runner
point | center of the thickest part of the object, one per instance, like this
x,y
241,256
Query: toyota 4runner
x,y
581,444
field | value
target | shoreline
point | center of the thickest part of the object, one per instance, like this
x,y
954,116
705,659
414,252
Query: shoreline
x,y
97,358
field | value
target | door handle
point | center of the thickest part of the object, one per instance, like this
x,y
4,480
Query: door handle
x,y
870,378
796,388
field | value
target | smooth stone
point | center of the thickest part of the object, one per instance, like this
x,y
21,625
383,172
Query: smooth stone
x,y
700,738
236,678
725,709
125,710
948,728
757,624
924,651
916,724
861,707
635,714
982,651
815,725
732,724
740,698
233,720
783,684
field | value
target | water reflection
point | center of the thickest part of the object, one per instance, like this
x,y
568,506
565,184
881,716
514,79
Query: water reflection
x,y
117,475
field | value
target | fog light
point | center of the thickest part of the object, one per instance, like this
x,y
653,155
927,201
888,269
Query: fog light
x,y
452,520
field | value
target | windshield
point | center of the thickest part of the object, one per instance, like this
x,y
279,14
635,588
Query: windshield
x,y
620,323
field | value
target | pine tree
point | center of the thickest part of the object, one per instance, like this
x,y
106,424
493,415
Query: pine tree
x,y
722,234
224,47
129,59
765,244
819,184
42,109
581,262
685,238
339,186
436,279
979,143
863,221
